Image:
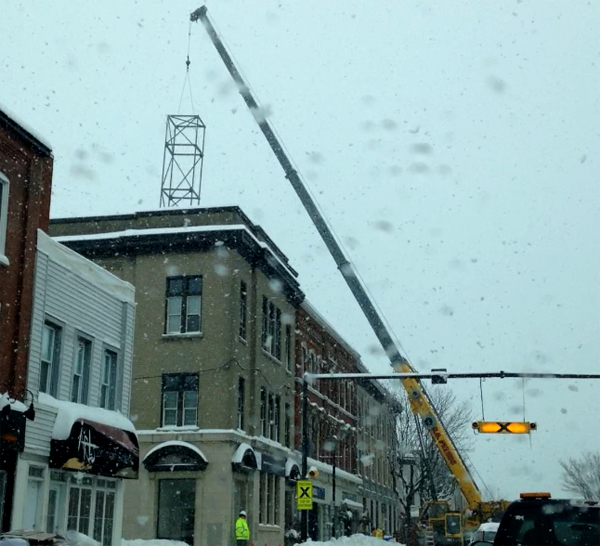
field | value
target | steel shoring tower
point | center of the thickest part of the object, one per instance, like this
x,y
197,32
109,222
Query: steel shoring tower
x,y
182,160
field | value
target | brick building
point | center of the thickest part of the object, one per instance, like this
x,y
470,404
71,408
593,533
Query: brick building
x,y
25,185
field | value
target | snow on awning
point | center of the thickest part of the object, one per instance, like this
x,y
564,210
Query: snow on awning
x,y
352,504
175,455
92,440
245,459
292,470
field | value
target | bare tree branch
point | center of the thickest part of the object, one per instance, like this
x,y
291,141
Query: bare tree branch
x,y
582,476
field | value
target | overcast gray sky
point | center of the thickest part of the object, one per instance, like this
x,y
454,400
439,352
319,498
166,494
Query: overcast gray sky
x,y
453,147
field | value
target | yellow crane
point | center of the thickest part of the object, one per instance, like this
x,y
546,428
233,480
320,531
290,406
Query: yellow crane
x,y
420,403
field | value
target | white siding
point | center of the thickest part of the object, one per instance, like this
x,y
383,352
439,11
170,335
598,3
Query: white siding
x,y
80,307
37,432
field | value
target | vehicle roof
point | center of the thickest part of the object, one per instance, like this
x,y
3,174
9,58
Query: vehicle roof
x,y
489,526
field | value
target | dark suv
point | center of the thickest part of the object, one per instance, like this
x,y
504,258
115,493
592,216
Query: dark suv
x,y
538,520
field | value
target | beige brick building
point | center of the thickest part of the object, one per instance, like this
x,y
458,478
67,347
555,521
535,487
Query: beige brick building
x,y
213,372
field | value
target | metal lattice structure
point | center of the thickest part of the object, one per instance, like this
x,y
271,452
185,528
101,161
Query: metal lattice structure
x,y
182,161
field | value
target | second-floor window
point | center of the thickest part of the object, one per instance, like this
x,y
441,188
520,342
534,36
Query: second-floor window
x,y
3,213
50,363
81,371
241,402
243,309
184,299
179,399
271,328
108,380
288,425
270,411
288,348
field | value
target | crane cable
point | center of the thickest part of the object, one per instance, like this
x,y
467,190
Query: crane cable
x,y
187,74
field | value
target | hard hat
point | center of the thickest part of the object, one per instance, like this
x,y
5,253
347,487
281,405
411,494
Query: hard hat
x,y
242,512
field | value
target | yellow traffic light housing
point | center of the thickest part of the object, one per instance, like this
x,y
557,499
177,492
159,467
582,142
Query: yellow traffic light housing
x,y
504,427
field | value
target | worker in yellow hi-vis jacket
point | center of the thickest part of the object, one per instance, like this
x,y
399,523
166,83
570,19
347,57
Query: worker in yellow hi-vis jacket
x,y
242,531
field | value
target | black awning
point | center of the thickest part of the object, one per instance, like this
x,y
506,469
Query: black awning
x,y
96,448
171,456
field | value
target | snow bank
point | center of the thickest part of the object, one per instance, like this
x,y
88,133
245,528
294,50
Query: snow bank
x,y
153,542
354,540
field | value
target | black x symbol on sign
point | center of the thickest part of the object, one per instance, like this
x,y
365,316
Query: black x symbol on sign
x,y
304,492
503,427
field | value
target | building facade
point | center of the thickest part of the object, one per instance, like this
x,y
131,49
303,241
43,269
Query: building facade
x,y
350,429
213,376
25,186
81,446
376,440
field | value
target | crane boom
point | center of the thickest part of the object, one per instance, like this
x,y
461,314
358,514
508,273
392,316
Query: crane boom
x,y
419,400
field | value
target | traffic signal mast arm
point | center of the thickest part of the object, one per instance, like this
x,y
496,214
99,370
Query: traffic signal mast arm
x,y
419,400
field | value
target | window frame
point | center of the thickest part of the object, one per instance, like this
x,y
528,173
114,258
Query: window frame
x,y
263,412
109,385
241,402
181,383
84,376
271,329
184,294
53,374
288,347
242,333
4,197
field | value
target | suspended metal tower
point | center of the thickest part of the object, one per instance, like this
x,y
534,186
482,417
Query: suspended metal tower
x,y
182,161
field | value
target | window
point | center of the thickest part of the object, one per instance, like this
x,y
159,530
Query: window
x,y
179,399
3,217
288,425
50,359
80,507
271,427
269,512
243,309
288,348
108,384
104,513
81,371
263,412
240,402
277,419
184,296
176,509
271,329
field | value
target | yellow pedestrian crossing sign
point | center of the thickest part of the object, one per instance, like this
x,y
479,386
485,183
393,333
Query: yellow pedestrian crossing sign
x,y
304,495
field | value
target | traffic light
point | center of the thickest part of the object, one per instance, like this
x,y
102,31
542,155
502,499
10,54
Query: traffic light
x,y
503,427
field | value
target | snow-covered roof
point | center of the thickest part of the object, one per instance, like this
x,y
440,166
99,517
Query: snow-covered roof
x,y
69,412
85,268
171,231
24,125
308,307
15,405
169,443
